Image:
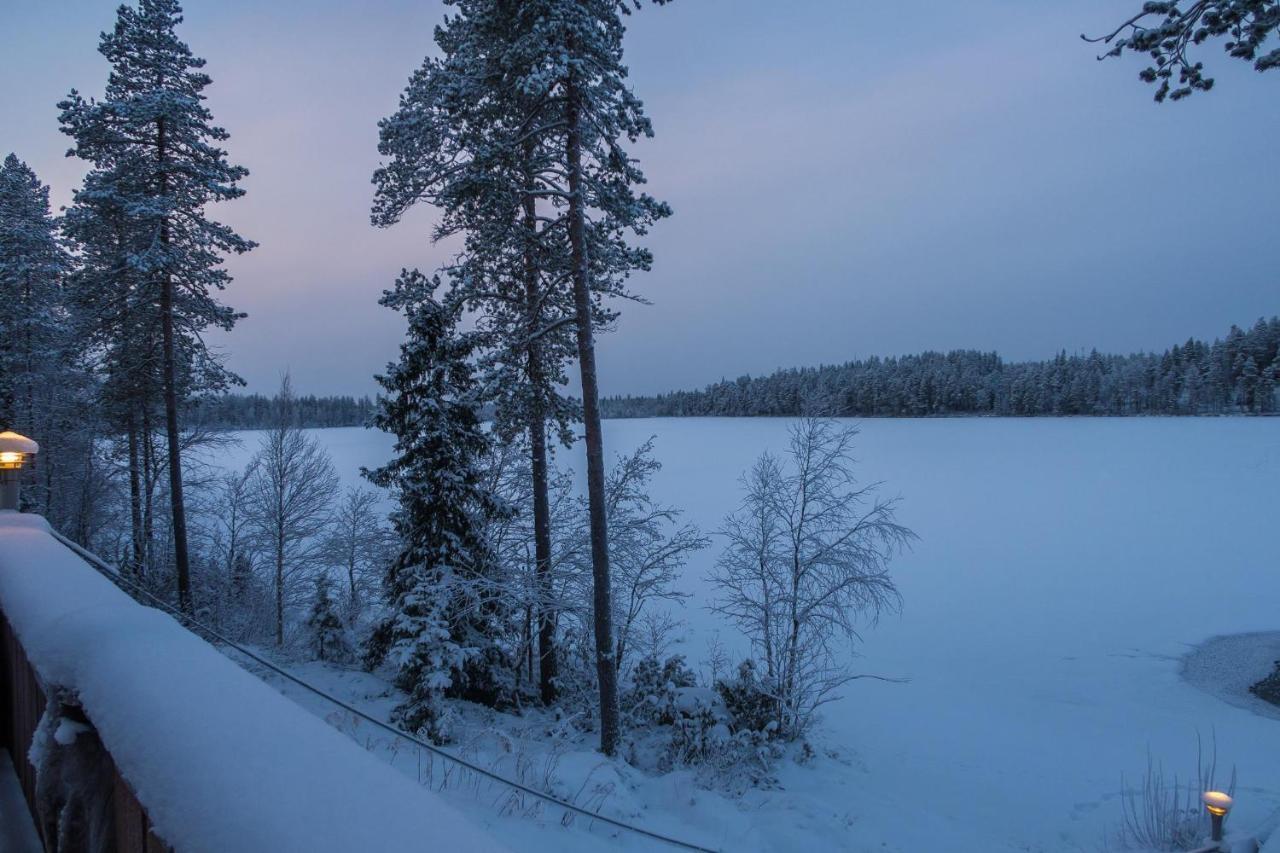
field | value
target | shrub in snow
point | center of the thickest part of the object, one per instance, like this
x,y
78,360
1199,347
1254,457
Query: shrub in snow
x,y
326,629
1166,814
646,701
1269,687
677,723
750,702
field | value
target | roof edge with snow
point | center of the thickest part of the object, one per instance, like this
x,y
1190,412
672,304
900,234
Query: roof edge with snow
x,y
219,760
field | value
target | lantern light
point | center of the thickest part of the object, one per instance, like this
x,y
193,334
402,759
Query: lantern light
x,y
15,451
1217,804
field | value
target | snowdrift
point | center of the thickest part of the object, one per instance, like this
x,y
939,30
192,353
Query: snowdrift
x,y
219,760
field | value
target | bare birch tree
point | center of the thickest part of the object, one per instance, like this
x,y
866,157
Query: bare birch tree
x,y
290,497
649,548
360,546
807,563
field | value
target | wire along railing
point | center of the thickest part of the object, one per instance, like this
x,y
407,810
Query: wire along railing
x,y
138,592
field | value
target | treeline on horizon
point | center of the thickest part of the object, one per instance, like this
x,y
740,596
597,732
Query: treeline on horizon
x,y
1235,375
258,411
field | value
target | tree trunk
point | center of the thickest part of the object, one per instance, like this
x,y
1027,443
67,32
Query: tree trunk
x,y
547,664
280,586
135,494
148,491
606,672
181,561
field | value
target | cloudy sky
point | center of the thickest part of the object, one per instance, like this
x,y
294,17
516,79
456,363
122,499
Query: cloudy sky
x,y
849,178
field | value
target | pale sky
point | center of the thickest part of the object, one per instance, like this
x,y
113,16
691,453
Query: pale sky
x,y
848,178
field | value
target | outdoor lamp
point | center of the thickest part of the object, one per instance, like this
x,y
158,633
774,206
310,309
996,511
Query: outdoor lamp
x,y
15,450
1218,805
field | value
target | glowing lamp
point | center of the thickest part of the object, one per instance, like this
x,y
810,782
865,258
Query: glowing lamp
x,y
15,450
1217,804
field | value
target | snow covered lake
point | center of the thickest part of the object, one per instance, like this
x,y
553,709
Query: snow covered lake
x,y
1064,568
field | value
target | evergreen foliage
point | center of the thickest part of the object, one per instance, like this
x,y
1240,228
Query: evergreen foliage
x,y
442,603
232,411
1190,379
1168,31
326,629
157,165
1269,687
45,382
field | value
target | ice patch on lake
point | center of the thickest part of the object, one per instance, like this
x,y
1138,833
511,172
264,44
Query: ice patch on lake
x,y
1228,666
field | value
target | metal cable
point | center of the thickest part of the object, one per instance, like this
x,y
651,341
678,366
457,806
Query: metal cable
x,y
134,589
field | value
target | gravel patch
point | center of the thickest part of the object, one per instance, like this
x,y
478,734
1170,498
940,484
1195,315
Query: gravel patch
x,y
1226,667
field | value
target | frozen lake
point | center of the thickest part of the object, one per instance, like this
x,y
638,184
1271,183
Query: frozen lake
x,y
1064,567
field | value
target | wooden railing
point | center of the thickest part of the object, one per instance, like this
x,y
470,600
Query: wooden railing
x,y
24,702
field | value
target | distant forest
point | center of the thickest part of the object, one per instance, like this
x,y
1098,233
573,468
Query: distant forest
x,y
1238,375
254,411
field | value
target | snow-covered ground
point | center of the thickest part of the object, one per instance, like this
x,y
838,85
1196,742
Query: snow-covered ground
x,y
1065,568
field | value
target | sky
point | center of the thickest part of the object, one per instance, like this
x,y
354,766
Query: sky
x,y
848,179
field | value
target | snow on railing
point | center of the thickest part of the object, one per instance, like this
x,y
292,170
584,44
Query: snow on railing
x,y
216,759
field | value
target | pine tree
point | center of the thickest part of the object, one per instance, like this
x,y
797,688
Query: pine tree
x,y
465,139
119,323
569,59
440,626
1169,31
517,134
327,631
154,136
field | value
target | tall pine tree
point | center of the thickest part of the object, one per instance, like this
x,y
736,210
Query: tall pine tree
x,y
570,57
462,139
153,131
535,93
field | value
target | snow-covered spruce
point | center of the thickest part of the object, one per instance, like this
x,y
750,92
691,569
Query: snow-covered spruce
x,y
440,628
45,382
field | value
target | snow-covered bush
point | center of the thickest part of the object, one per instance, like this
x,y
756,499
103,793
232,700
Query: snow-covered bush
x,y
1268,688
325,628
749,701
1166,813
675,722
645,702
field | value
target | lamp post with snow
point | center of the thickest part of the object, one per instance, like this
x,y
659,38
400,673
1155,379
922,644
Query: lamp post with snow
x,y
15,450
1218,804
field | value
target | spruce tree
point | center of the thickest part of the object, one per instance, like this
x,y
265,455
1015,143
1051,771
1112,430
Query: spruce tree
x,y
152,131
327,631
45,381
32,266
441,605
462,139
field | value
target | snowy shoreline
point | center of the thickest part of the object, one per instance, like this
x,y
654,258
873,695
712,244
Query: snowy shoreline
x,y
1226,665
